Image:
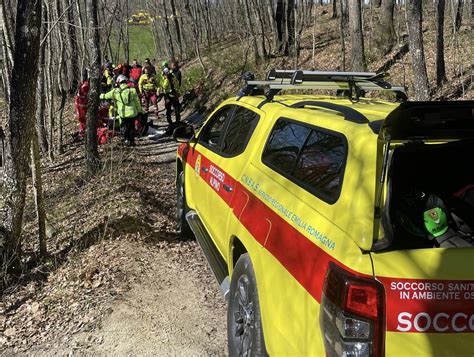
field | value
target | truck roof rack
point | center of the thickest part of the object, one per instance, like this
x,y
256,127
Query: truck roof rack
x,y
350,84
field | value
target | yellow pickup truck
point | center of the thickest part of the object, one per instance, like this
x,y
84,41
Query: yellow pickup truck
x,y
335,225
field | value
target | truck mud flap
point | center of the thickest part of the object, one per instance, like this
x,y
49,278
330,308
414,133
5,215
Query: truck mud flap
x,y
213,257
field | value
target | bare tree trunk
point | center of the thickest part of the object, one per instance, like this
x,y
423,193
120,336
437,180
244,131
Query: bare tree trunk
x,y
92,154
250,29
38,193
358,62
271,20
177,28
166,29
40,96
301,15
82,31
7,50
20,125
334,9
6,66
207,22
313,52
196,34
73,70
290,26
459,9
385,31
60,77
49,88
40,111
126,39
62,105
415,38
51,121
280,20
440,66
154,30
259,20
183,34
108,22
343,37
345,11
7,26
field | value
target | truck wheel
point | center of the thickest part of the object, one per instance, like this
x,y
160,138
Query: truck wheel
x,y
182,208
244,325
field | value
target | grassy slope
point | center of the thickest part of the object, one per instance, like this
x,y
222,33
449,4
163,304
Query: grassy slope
x,y
141,43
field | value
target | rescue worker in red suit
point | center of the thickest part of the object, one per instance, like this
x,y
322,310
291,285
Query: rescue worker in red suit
x,y
80,107
80,103
136,71
135,74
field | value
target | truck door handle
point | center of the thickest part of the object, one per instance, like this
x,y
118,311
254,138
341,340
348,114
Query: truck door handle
x,y
227,187
204,169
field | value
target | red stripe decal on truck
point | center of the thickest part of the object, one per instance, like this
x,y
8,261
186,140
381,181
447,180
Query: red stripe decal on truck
x,y
303,259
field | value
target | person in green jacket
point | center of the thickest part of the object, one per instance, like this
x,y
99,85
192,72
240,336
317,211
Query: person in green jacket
x,y
128,107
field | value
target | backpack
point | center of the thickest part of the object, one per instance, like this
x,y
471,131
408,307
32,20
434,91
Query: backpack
x,y
102,136
135,73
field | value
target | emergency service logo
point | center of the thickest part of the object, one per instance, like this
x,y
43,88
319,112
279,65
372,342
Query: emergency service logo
x,y
434,215
197,165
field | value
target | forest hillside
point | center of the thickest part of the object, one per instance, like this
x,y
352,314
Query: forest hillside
x,y
91,259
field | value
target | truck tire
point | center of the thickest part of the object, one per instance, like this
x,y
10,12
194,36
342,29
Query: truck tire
x,y
182,208
244,324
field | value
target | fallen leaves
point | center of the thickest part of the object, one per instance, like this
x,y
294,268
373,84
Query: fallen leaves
x,y
101,247
9,332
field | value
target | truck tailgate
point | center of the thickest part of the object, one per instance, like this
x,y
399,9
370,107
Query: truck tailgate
x,y
429,300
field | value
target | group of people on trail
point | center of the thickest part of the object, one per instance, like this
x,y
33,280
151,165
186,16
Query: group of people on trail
x,y
131,89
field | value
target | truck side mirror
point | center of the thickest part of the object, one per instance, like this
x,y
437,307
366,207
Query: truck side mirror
x,y
182,134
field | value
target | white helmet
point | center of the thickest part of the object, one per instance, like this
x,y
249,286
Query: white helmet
x,y
121,78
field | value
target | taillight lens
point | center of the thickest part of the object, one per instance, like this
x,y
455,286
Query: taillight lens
x,y
352,314
362,300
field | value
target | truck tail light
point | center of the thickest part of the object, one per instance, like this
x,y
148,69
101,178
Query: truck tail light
x,y
352,315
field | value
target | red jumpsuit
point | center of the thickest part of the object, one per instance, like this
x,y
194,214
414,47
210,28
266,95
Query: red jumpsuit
x,y
80,105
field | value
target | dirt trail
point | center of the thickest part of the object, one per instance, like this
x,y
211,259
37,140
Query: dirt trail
x,y
174,310
169,302
176,307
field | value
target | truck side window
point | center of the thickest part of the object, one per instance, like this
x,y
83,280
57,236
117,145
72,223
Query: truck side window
x,y
320,165
239,131
212,132
311,157
284,145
